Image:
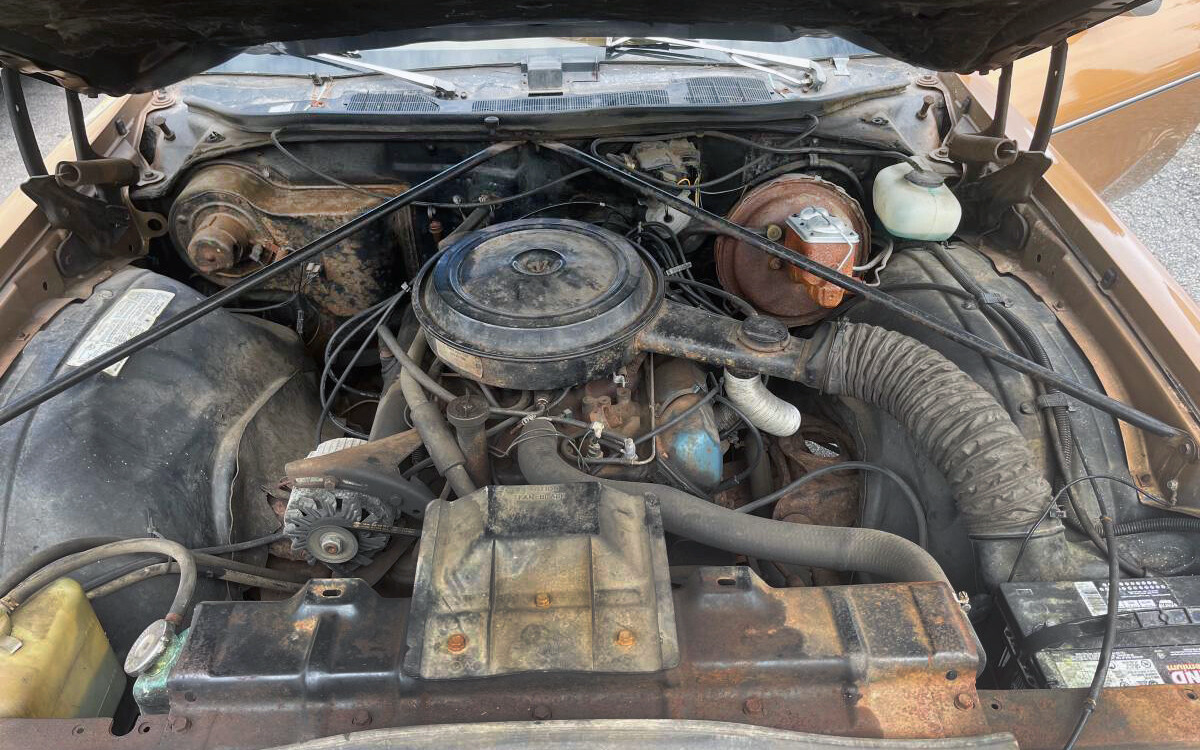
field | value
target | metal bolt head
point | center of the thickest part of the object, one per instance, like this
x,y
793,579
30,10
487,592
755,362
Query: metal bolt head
x,y
625,638
753,706
775,264
541,601
361,718
456,643
1027,407
774,233
926,104
964,701
178,723
540,712
332,544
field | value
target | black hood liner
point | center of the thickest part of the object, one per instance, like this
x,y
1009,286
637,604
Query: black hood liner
x,y
118,46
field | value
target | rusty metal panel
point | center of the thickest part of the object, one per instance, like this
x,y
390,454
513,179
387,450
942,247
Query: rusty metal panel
x,y
565,577
889,660
1152,716
265,219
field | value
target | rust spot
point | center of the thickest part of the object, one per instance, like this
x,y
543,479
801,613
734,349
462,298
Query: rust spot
x,y
778,288
625,638
541,601
456,643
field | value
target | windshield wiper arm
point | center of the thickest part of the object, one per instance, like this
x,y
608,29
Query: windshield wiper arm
x,y
439,86
816,73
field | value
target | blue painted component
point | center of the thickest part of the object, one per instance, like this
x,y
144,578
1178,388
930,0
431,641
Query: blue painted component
x,y
694,444
697,452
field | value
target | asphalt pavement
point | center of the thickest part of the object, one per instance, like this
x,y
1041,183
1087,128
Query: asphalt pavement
x,y
1164,212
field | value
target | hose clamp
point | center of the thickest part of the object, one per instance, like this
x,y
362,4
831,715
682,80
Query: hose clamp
x,y
1052,400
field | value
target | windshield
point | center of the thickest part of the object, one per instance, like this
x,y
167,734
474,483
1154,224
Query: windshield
x,y
435,55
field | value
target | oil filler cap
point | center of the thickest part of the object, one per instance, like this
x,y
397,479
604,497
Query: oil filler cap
x,y
763,333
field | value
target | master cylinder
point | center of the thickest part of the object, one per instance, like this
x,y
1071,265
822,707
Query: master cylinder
x,y
814,217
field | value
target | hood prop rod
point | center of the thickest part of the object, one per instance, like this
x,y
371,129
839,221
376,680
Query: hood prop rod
x,y
1003,95
1056,73
958,335
48,391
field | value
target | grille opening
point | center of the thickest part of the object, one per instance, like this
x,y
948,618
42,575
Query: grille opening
x,y
574,102
391,101
726,90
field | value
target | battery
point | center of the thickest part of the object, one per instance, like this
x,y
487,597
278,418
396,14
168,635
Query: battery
x,y
1052,633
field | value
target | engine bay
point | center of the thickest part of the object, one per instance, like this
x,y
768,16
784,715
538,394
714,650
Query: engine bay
x,y
588,428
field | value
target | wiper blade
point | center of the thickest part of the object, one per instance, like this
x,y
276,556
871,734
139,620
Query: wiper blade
x,y
439,86
814,79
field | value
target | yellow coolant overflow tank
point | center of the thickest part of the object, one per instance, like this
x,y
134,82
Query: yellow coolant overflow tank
x,y
55,660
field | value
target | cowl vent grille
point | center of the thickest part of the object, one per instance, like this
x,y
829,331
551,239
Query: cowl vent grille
x,y
649,98
726,90
391,101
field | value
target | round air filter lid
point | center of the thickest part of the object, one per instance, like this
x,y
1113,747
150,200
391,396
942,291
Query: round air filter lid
x,y
538,290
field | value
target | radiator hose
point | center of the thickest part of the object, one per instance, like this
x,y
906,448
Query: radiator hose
x,y
831,547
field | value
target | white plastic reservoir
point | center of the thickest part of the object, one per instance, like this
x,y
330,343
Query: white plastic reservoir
x,y
914,211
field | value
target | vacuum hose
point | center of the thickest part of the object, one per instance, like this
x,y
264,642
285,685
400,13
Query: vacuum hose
x,y
831,547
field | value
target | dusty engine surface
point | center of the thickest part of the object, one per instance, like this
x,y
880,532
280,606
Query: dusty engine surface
x,y
337,660
537,304
546,445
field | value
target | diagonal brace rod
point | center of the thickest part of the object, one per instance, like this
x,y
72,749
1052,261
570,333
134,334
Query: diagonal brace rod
x,y
48,391
1087,395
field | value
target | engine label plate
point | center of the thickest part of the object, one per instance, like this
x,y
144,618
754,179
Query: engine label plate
x,y
467,364
133,313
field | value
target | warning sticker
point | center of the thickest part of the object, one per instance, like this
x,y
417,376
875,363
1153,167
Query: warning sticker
x,y
1134,594
134,312
1182,664
1075,669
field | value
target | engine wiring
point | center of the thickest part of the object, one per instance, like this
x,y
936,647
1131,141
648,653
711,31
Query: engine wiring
x,y
919,513
376,317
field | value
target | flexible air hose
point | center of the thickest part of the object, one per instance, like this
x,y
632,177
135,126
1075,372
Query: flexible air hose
x,y
959,425
764,409
830,547
1060,414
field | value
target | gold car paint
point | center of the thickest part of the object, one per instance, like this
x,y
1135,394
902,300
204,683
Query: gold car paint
x,y
1113,63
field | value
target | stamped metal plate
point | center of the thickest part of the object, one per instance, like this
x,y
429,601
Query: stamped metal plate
x,y
569,577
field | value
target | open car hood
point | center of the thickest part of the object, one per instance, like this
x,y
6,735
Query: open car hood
x,y
119,46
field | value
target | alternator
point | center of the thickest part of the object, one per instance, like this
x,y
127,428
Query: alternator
x,y
335,526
